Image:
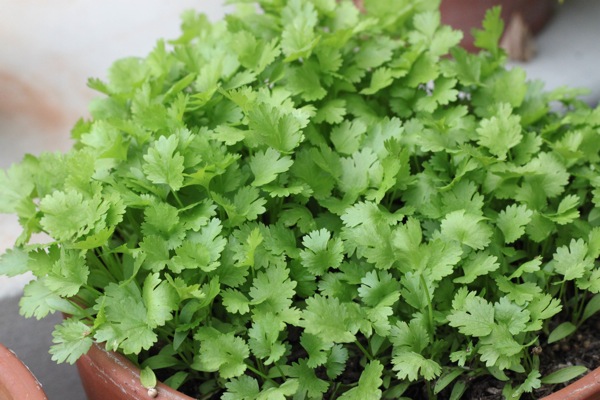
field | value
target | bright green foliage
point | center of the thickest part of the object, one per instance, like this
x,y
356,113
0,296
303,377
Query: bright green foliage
x,y
305,201
368,385
221,352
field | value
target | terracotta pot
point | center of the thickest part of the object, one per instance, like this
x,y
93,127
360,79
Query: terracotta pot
x,y
108,375
468,14
16,380
586,388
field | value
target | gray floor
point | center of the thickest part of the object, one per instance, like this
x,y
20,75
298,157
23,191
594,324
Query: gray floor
x,y
568,54
30,340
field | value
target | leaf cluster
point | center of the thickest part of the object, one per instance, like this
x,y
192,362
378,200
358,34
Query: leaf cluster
x,y
311,202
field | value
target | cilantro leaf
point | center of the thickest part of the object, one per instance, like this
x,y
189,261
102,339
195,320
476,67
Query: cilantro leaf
x,y
164,164
512,221
263,338
160,300
68,274
474,317
410,365
309,383
71,340
267,165
321,253
298,37
241,388
369,384
126,326
69,214
572,261
489,37
328,319
500,349
466,228
480,263
13,262
501,132
379,287
223,352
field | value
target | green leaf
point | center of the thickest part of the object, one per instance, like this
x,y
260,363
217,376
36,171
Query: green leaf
x,y
379,288
466,67
381,78
14,187
519,293
412,336
475,317
336,361
235,301
164,164
309,383
466,228
513,220
223,352
572,261
316,319
298,38
489,37
527,267
69,214
282,392
561,331
263,338
321,252
69,273
332,112
279,130
273,289
39,301
564,375
242,388
126,326
443,93
478,264
500,349
14,262
501,132
71,340
162,220
267,165
446,379
591,308
160,299
567,210
531,382
510,315
410,365
147,378
348,135
369,384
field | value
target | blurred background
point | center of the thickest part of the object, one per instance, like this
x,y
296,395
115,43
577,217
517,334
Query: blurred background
x,y
48,49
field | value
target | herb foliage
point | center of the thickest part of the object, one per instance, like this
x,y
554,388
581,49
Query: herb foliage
x,y
309,202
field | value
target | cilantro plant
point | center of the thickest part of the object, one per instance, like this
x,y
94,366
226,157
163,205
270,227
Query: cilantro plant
x,y
310,202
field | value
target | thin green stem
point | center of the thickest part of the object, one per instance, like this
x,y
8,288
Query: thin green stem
x,y
259,373
177,199
364,351
429,305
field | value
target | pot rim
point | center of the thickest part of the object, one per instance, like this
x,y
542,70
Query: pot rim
x,y
585,388
118,370
16,379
